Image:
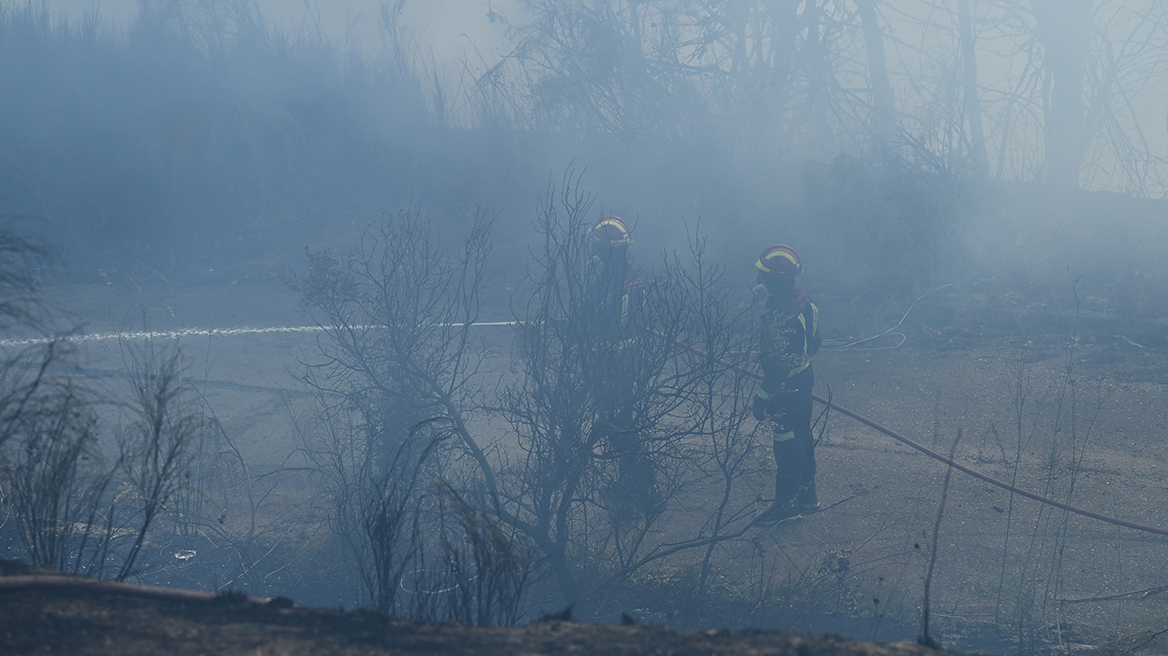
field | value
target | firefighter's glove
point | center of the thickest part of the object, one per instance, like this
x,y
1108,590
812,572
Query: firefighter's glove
x,y
759,407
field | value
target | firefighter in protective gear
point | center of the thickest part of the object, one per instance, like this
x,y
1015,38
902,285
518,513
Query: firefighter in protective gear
x,y
616,303
788,339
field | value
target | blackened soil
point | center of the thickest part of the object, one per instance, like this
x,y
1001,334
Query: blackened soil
x,y
88,622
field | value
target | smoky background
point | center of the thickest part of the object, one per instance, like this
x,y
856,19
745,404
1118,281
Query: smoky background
x,y
1001,155
894,142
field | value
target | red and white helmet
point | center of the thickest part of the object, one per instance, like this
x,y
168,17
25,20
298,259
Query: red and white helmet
x,y
780,261
612,231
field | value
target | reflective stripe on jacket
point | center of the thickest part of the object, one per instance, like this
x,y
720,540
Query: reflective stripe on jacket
x,y
789,338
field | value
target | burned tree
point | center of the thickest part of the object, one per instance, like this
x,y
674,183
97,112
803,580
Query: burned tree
x,y
570,491
626,416
396,389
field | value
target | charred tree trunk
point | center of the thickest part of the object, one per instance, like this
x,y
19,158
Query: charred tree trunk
x,y
818,70
785,24
738,14
883,101
1064,26
977,144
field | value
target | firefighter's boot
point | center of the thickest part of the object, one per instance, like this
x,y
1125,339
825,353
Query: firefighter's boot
x,y
807,500
781,511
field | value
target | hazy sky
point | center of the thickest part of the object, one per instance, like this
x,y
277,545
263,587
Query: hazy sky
x,y
446,26
453,31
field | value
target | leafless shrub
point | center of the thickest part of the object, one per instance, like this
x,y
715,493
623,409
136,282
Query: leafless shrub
x,y
27,377
21,262
604,478
397,370
54,482
571,492
489,567
398,313
392,525
1063,416
156,448
427,555
226,513
77,509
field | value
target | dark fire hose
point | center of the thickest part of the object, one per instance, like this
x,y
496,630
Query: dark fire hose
x,y
988,479
948,461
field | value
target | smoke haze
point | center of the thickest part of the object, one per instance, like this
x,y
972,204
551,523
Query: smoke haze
x,y
1003,163
220,115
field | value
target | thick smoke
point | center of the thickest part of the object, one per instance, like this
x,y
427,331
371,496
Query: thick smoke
x,y
1012,154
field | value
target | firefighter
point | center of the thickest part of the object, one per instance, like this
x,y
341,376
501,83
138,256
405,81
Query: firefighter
x,y
616,305
789,338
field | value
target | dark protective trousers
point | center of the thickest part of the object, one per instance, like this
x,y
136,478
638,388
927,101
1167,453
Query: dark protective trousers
x,y
794,444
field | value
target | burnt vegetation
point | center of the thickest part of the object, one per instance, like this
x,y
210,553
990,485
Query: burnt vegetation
x,y
81,499
404,400
443,471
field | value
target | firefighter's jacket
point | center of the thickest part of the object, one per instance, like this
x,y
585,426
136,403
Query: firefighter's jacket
x,y
789,338
615,327
619,316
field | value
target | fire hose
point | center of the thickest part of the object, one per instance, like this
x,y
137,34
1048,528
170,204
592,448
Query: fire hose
x,y
949,461
985,477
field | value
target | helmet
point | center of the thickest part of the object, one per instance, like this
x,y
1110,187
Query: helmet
x,y
780,261
611,231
